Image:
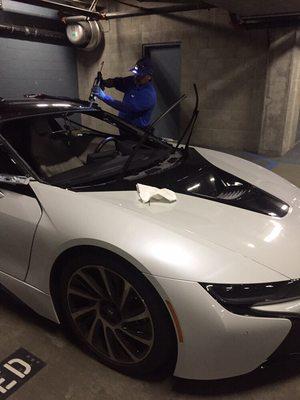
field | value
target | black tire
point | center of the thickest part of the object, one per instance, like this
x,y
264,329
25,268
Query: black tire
x,y
159,356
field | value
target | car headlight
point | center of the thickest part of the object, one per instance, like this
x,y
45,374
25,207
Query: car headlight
x,y
237,298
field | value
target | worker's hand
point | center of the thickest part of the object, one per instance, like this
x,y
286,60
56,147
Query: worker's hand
x,y
98,92
109,83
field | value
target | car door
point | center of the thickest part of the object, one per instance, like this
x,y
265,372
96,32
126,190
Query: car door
x,y
20,213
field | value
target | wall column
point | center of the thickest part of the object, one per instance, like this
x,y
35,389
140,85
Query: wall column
x,y
282,93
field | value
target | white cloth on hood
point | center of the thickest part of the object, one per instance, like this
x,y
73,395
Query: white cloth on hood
x,y
148,193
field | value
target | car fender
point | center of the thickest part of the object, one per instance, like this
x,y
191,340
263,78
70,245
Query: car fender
x,y
72,219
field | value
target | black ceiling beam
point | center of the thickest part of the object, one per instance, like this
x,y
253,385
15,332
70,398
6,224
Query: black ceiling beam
x,y
64,8
172,1
271,23
270,16
266,21
139,11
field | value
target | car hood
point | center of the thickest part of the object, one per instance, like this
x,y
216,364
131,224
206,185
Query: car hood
x,y
269,241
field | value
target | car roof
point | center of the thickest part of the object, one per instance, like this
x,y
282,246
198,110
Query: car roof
x,y
24,108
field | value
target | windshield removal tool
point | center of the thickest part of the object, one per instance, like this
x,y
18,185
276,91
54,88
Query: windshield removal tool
x,y
98,82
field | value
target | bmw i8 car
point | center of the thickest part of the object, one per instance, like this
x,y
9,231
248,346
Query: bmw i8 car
x,y
210,281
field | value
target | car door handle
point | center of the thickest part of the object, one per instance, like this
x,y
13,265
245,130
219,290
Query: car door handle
x,y
2,195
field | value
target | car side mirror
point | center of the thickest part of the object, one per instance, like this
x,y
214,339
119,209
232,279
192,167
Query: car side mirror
x,y
14,179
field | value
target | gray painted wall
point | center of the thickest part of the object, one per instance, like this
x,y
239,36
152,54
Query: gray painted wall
x,y
31,67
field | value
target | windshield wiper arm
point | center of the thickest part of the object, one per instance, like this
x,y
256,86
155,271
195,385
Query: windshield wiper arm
x,y
96,132
149,132
177,102
191,124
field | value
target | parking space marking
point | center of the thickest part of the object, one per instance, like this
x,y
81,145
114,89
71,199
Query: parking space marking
x,y
16,370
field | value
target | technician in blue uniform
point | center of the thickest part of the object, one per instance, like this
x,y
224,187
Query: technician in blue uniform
x,y
139,94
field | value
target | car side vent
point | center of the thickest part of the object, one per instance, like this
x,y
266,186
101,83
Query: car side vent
x,y
232,193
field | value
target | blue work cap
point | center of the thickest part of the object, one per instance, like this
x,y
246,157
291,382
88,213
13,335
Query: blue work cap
x,y
143,67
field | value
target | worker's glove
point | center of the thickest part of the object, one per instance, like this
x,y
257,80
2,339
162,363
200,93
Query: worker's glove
x,y
98,92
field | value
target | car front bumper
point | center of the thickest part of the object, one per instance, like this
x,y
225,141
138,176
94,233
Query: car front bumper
x,y
218,344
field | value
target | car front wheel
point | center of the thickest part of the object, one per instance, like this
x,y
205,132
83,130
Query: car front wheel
x,y
116,313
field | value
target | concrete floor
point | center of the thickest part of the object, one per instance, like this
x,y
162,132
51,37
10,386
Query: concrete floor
x,y
71,374
287,166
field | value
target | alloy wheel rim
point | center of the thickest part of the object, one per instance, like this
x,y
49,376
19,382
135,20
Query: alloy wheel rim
x,y
110,314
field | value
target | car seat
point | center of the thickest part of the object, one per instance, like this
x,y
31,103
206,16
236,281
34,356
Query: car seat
x,y
51,156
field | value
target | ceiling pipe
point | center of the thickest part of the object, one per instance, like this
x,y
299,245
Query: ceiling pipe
x,y
156,10
32,33
14,18
82,4
65,8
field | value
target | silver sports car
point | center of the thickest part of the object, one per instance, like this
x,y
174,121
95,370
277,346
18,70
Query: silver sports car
x,y
209,282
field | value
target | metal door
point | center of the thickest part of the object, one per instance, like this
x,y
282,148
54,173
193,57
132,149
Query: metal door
x,y
166,59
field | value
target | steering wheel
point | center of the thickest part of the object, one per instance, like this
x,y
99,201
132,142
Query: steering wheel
x,y
104,142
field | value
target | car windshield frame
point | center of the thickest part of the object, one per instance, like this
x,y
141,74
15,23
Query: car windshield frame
x,y
140,135
6,147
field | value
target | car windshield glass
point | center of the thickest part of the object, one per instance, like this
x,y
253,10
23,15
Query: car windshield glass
x,y
75,149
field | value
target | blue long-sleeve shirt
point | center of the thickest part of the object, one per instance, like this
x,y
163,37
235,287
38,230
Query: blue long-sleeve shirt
x,y
138,101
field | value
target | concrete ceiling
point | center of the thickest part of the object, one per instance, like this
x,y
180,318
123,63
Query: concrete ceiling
x,y
258,7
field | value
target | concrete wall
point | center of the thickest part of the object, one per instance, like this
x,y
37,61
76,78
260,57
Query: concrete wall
x,y
229,66
282,94
293,106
